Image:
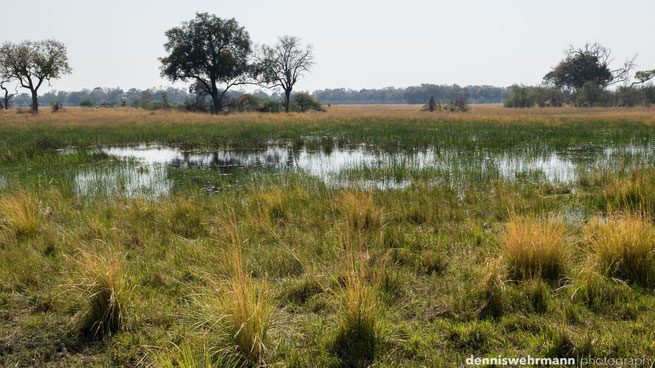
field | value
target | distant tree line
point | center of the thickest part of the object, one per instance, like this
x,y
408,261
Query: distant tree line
x,y
412,95
585,78
173,98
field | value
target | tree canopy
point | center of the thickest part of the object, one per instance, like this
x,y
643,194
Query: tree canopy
x,y
209,51
588,64
32,63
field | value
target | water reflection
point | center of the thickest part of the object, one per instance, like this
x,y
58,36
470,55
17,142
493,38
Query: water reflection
x,y
361,165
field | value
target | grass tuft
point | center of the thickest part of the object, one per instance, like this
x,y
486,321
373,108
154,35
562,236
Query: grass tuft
x,y
19,213
534,249
105,287
624,248
492,289
359,209
357,338
185,356
241,308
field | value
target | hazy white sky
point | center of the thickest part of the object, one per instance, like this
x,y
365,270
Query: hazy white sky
x,y
358,44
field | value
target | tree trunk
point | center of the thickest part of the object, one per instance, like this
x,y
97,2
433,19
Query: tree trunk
x,y
217,101
35,102
287,100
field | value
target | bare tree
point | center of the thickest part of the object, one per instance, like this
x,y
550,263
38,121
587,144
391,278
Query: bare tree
x,y
282,64
5,100
32,63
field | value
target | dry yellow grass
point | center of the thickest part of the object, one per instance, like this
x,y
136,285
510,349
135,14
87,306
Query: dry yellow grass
x,y
534,248
359,209
72,116
19,213
624,247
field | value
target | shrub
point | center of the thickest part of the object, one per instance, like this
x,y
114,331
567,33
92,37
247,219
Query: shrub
x,y
306,102
591,94
247,102
105,288
624,248
55,105
272,106
87,102
521,96
533,248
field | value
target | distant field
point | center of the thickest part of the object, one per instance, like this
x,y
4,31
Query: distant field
x,y
366,235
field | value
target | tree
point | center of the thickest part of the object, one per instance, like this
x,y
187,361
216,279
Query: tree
x,y
32,63
588,64
209,51
7,98
643,76
283,64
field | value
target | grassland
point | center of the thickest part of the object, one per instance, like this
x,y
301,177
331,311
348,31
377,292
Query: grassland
x,y
286,270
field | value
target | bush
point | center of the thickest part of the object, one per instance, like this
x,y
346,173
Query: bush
x,y
306,102
55,105
107,104
87,102
628,97
521,96
591,94
272,106
247,102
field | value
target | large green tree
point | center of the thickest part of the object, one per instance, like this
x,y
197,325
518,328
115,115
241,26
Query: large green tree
x,y
32,63
588,64
211,52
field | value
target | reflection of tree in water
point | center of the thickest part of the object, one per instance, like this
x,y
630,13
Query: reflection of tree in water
x,y
230,161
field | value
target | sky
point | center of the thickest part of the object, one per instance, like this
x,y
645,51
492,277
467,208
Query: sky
x,y
357,44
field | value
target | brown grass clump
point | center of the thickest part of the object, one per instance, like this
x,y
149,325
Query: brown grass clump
x,y
624,247
534,249
19,213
